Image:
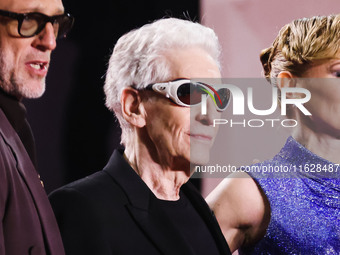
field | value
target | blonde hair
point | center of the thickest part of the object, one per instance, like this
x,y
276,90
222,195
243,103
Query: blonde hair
x,y
300,44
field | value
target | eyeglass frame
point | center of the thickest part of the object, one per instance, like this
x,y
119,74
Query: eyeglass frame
x,y
47,19
169,90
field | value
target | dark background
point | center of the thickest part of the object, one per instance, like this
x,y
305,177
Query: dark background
x,y
75,134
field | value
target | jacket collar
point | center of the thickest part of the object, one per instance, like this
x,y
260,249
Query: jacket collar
x,y
141,206
16,114
150,218
208,217
30,176
135,189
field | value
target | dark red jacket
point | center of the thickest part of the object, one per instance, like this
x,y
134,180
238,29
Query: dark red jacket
x,y
27,223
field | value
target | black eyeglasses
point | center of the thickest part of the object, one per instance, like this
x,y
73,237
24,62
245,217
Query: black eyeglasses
x,y
31,24
187,93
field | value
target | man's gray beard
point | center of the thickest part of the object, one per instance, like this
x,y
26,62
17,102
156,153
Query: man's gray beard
x,y
26,91
14,85
4,80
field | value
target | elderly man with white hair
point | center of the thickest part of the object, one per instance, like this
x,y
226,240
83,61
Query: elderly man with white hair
x,y
142,202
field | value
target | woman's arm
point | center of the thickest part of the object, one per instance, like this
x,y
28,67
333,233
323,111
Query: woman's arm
x,y
242,210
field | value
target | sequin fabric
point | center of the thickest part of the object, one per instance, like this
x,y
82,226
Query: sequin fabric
x,y
305,204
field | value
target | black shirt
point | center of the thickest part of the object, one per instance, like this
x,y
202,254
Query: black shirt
x,y
15,112
190,224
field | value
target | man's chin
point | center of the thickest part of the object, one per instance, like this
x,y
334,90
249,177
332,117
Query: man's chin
x,y
32,92
199,161
199,155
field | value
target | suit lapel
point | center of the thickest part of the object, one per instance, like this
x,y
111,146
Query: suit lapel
x,y
207,215
149,217
30,177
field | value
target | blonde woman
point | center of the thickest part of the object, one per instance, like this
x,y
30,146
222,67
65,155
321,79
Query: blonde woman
x,y
300,212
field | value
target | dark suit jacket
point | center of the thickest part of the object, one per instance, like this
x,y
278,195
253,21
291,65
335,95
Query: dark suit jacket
x,y
27,223
110,212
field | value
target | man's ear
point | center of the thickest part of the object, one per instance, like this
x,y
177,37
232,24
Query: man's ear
x,y
132,107
285,80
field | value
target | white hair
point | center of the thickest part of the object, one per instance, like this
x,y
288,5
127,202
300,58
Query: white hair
x,y
138,58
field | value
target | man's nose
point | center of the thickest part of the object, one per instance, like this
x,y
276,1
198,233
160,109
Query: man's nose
x,y
211,113
46,39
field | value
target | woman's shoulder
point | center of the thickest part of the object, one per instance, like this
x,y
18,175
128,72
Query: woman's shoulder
x,y
241,209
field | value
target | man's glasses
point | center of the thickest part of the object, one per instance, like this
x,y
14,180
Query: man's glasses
x,y
31,24
187,93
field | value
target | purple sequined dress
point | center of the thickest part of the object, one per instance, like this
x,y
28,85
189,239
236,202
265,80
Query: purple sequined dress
x,y
304,194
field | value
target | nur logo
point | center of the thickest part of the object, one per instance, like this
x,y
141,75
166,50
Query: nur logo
x,y
221,97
